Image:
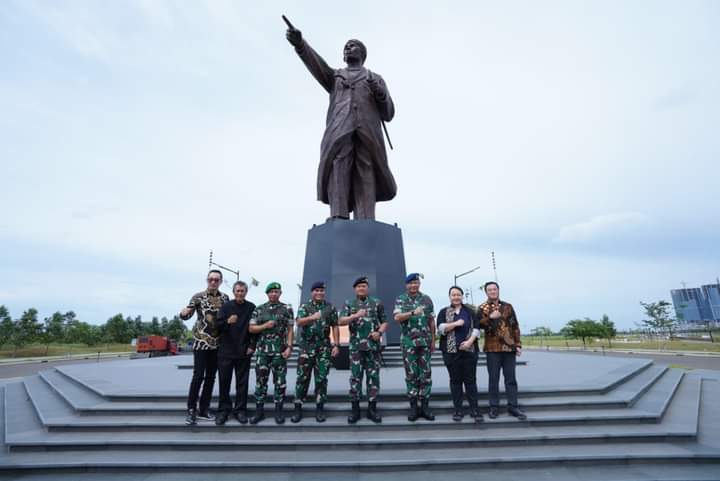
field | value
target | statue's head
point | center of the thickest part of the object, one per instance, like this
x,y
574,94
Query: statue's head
x,y
354,52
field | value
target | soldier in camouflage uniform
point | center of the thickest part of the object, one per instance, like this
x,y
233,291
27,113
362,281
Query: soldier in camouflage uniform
x,y
272,322
316,319
415,313
365,316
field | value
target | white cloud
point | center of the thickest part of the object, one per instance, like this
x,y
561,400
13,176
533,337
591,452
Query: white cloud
x,y
74,24
600,227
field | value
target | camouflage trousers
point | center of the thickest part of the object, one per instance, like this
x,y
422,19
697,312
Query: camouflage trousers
x,y
309,362
418,373
368,363
264,363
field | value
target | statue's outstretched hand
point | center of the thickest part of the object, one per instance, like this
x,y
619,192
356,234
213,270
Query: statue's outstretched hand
x,y
294,36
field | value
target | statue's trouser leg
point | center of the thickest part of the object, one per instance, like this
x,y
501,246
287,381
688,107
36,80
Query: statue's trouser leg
x,y
340,181
363,183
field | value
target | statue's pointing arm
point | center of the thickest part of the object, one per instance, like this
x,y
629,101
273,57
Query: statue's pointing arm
x,y
314,62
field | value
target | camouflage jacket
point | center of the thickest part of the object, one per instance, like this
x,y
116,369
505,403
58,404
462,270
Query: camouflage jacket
x,y
206,305
501,334
316,335
272,341
415,332
360,329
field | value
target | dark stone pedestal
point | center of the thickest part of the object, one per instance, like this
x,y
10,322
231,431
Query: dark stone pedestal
x,y
340,251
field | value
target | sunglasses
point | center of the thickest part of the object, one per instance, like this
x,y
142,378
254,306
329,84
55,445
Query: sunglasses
x,y
214,279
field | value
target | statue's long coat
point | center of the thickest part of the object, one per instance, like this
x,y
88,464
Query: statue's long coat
x,y
353,109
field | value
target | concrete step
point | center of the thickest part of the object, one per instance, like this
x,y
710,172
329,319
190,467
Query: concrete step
x,y
344,460
25,431
56,414
87,402
602,385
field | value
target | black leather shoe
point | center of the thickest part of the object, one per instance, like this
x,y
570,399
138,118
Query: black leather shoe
x,y
298,413
475,413
414,412
279,416
191,417
221,418
372,414
493,413
355,413
425,410
205,415
320,413
458,415
241,417
516,412
259,414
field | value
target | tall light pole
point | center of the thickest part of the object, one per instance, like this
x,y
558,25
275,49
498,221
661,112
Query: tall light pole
x,y
457,276
492,255
211,263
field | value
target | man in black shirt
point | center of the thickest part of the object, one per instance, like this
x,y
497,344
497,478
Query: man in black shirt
x,y
235,348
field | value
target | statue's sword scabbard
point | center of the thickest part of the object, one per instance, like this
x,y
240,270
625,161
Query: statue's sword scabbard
x,y
387,136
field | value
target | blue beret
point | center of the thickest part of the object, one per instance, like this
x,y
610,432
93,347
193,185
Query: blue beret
x,y
412,277
361,280
317,285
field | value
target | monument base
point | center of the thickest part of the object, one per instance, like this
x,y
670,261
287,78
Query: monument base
x,y
339,251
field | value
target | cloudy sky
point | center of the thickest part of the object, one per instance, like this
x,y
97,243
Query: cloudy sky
x,y
578,140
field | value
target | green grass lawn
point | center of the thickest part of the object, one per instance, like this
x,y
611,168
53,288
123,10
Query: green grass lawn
x,y
624,342
38,350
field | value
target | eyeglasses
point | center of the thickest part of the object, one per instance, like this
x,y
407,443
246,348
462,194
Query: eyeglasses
x,y
214,279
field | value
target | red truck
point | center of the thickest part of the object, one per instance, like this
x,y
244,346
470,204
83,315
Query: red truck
x,y
156,346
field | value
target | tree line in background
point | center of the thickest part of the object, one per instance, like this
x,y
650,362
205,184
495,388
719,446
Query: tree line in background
x,y
659,322
67,328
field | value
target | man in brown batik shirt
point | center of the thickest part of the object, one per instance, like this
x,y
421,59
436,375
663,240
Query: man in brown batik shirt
x,y
502,346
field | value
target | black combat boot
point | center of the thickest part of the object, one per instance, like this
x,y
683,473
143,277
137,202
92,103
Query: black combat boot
x,y
279,416
372,414
320,413
259,414
425,410
355,414
298,413
414,412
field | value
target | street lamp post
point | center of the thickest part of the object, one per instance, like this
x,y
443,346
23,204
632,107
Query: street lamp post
x,y
219,266
457,276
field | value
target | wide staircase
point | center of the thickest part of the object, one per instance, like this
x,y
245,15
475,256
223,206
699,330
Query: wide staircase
x,y
651,422
391,357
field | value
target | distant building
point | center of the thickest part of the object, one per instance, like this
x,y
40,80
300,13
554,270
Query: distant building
x,y
712,293
697,304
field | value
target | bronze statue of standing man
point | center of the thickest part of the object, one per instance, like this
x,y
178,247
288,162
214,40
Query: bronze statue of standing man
x,y
353,174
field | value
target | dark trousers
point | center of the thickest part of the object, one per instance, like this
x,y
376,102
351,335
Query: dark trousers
x,y
495,362
241,368
204,368
462,367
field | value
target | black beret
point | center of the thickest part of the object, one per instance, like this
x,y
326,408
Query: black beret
x,y
317,285
361,280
